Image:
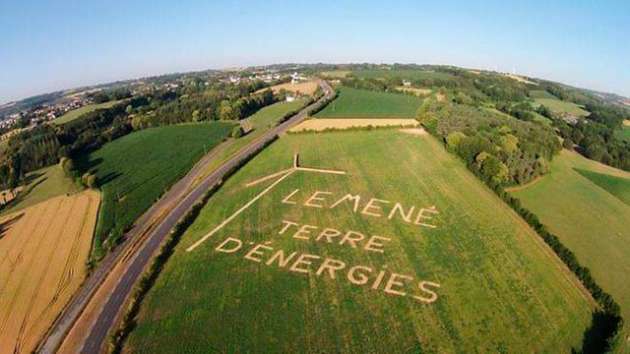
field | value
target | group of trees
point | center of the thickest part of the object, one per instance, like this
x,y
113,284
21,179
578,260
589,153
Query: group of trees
x,y
506,151
110,95
196,100
45,144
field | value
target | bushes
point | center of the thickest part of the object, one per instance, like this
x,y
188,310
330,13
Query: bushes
x,y
237,132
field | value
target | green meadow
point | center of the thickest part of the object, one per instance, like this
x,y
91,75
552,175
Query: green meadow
x,y
356,103
493,285
135,170
77,113
562,107
585,204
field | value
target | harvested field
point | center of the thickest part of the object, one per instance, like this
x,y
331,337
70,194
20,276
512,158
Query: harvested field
x,y
416,91
521,79
307,88
346,123
43,251
336,74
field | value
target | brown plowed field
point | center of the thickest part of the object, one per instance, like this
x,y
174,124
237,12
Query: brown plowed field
x,y
43,254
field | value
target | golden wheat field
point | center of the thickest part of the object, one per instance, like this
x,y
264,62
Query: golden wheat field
x,y
43,254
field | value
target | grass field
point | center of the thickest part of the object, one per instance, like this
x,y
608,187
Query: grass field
x,y
354,103
42,184
499,286
43,254
135,170
77,113
562,107
617,186
589,217
541,94
403,74
623,133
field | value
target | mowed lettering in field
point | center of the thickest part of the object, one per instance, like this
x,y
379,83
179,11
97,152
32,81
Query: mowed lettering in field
x,y
389,282
43,251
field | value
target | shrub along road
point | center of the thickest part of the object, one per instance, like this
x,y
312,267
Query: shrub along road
x,y
139,247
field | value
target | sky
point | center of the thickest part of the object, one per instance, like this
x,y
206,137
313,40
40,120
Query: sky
x,y
47,45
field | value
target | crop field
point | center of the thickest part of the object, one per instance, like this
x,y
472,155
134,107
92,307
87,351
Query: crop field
x,y
260,122
589,217
77,113
135,170
562,107
402,74
43,254
422,92
306,88
41,185
335,74
355,103
341,124
376,240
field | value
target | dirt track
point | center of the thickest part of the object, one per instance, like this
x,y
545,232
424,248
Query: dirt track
x,y
43,250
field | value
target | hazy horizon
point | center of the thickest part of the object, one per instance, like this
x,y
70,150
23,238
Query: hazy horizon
x,y
49,47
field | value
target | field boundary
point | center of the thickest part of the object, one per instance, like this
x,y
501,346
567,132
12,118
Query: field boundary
x,y
607,321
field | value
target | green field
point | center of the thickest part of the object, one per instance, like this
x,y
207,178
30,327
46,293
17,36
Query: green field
x,y
541,94
402,74
617,186
589,217
135,170
499,286
77,113
562,107
41,185
623,133
261,121
355,103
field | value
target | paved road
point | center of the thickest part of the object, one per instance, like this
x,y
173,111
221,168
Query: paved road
x,y
97,335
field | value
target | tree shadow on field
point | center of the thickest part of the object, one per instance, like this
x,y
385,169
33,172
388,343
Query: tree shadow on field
x,y
24,193
108,178
597,337
6,225
32,177
86,164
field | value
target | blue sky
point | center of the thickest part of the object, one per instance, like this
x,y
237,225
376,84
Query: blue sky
x,y
48,45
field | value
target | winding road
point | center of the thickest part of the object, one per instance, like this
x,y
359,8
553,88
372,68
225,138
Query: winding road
x,y
91,328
